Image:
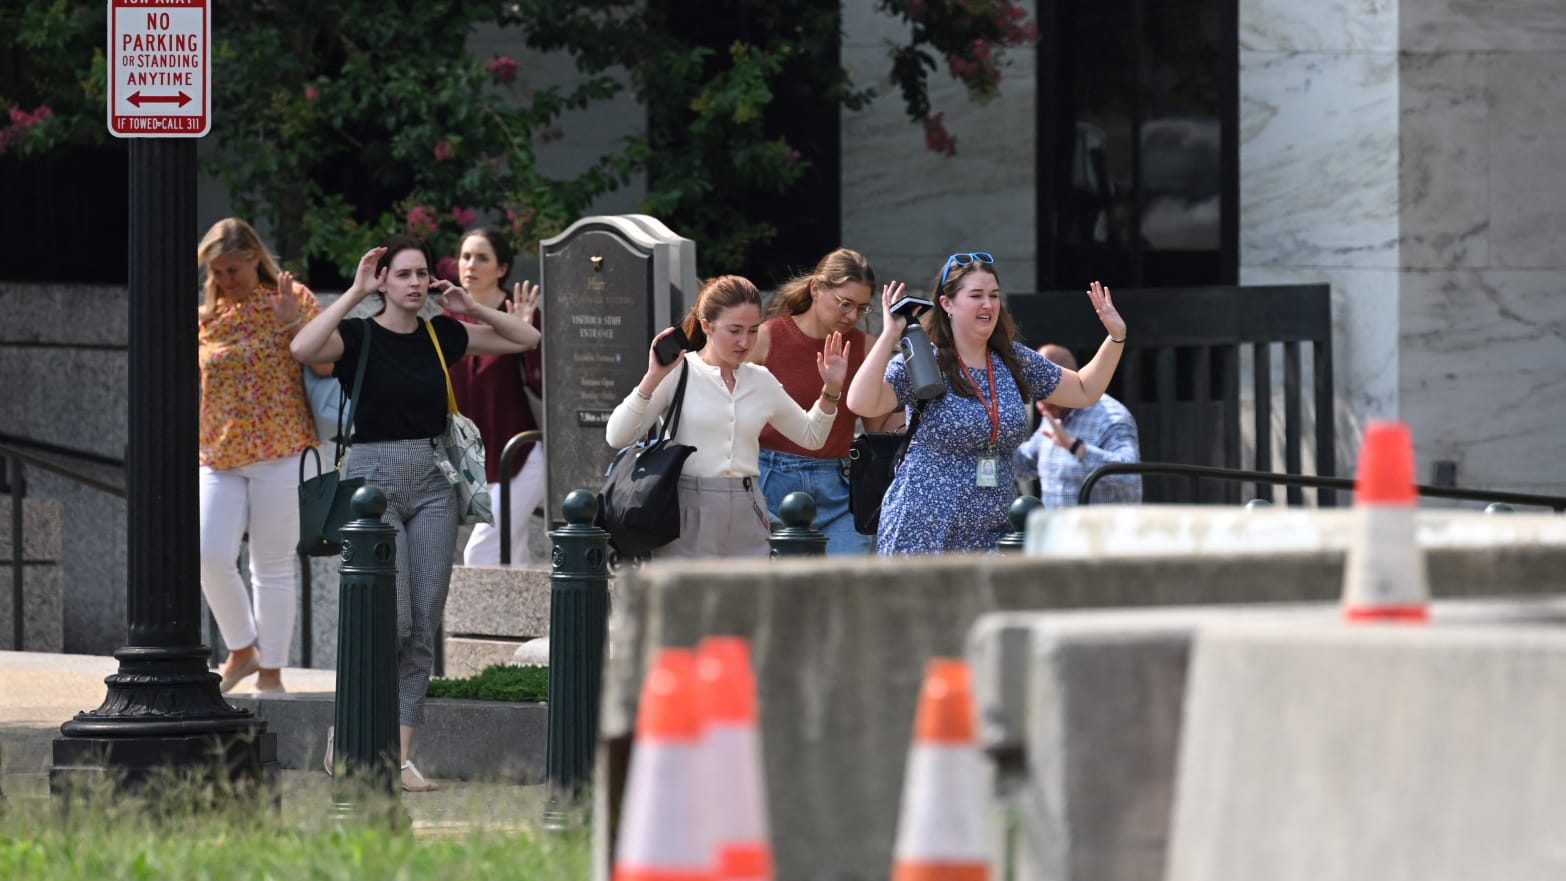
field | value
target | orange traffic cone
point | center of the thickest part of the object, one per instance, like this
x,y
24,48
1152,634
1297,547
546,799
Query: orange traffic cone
x,y
663,829
1384,574
943,829
731,750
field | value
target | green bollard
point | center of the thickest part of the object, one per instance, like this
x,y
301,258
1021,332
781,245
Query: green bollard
x,y
1257,504
366,751
798,537
578,624
1017,515
1498,508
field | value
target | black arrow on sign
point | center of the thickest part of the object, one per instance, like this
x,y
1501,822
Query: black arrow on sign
x,y
138,99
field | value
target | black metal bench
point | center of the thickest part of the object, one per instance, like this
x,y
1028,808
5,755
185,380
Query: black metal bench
x,y
1182,370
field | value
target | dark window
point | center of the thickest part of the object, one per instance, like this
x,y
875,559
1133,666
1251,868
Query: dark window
x,y
1137,136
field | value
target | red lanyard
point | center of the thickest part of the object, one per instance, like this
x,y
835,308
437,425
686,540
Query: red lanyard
x,y
992,406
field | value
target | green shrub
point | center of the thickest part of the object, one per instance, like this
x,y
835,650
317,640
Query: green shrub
x,y
501,682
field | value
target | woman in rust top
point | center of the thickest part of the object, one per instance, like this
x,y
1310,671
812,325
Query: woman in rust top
x,y
829,299
492,391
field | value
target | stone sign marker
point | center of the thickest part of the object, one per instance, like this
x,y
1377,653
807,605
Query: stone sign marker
x,y
609,288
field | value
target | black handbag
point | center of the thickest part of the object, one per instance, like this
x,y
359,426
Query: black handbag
x,y
873,458
325,500
639,504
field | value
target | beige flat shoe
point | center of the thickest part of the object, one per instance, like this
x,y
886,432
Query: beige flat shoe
x,y
413,781
249,668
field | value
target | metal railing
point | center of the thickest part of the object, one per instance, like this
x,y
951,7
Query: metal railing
x,y
17,452
513,446
1196,473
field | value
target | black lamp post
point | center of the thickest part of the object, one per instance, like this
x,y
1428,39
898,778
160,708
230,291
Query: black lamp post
x,y
163,711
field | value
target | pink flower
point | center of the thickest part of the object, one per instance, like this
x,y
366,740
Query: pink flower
x,y
312,94
465,217
446,268
443,151
421,220
792,159
503,68
42,111
936,138
981,50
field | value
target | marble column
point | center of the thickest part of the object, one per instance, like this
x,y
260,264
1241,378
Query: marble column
x,y
1483,292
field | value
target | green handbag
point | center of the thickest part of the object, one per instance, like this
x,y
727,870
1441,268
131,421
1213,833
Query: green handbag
x,y
325,500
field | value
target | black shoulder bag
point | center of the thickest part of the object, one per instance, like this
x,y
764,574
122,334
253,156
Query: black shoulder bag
x,y
324,500
873,458
639,504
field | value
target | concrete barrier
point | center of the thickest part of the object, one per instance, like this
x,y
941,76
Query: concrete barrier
x,y
1350,753
839,646
1082,713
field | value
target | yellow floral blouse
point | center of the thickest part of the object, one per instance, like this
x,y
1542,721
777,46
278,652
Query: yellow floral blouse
x,y
253,405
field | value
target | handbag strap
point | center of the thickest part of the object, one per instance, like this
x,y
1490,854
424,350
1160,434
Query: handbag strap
x,y
352,403
451,396
672,424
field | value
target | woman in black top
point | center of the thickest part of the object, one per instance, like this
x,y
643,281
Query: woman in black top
x,y
400,413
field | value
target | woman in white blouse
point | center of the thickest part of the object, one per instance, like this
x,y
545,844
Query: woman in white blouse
x,y
727,402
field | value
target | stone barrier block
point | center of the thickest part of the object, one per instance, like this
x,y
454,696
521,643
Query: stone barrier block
x,y
509,602
468,656
1347,753
469,740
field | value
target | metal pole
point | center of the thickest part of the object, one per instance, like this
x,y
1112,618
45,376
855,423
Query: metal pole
x,y
578,623
306,613
513,446
18,592
163,709
798,537
366,749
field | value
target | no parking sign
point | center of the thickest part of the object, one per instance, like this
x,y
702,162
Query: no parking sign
x,y
159,55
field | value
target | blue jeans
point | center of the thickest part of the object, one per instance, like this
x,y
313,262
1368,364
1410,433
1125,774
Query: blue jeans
x,y
827,482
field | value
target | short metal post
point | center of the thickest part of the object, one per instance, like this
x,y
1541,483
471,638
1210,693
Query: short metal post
x,y
578,625
1013,541
18,489
366,750
798,537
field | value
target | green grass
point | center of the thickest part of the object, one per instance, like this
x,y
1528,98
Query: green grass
x,y
135,839
502,682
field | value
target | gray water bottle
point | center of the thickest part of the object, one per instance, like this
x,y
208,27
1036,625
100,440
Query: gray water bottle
x,y
918,353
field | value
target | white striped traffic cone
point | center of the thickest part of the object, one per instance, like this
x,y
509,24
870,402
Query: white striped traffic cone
x,y
943,829
1384,575
731,750
663,828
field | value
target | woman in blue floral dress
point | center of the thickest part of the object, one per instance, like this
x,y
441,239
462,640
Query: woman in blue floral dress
x,y
955,484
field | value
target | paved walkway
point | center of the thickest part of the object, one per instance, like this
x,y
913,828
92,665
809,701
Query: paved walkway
x,y
39,692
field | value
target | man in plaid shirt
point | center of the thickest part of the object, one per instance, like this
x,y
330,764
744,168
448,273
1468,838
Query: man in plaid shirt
x,y
1071,443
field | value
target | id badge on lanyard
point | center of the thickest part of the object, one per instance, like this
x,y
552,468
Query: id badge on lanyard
x,y
989,468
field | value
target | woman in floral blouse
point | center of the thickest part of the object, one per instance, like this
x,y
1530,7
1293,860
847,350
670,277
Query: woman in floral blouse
x,y
254,423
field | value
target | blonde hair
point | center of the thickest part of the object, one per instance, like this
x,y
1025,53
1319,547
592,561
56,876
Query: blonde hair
x,y
231,236
841,267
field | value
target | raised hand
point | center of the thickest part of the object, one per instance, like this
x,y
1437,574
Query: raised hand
x,y
832,362
282,300
454,298
525,298
1105,307
891,292
365,277
1056,431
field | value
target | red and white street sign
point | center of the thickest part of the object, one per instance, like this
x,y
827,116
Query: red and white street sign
x,y
160,60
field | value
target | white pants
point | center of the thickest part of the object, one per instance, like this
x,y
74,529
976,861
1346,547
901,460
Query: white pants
x,y
264,499
527,494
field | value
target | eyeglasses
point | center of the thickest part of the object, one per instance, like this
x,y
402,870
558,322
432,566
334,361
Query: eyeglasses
x,y
962,260
849,307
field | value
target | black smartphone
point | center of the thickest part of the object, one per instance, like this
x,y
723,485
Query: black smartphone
x,y
668,348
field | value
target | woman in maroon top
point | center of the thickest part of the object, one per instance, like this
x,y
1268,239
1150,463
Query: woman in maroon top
x,y
804,312
492,391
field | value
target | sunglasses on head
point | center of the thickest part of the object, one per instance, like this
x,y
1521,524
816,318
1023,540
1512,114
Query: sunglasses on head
x,y
962,260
